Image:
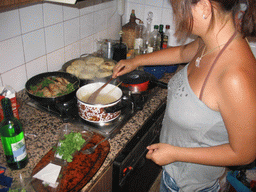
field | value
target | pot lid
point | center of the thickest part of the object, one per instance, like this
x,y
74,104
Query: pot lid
x,y
135,77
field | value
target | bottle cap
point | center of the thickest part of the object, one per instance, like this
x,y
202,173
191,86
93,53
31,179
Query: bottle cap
x,y
167,26
155,26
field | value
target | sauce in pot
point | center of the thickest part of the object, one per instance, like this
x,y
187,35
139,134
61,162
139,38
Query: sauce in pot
x,y
101,99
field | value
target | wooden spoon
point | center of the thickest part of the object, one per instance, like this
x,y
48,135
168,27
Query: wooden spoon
x,y
95,94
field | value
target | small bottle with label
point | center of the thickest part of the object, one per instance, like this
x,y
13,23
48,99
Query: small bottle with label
x,y
138,42
166,36
12,137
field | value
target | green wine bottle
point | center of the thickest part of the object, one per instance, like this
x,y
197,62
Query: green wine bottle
x,y
12,137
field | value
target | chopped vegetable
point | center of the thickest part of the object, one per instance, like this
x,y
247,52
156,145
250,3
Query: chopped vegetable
x,y
70,144
17,190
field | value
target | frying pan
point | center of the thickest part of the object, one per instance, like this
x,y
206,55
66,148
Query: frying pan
x,y
139,81
52,100
85,57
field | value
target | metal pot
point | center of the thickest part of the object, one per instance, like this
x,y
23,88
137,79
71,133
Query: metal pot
x,y
52,100
138,81
95,113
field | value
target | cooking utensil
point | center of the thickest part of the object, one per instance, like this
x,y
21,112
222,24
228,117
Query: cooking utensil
x,y
95,113
92,149
138,81
52,100
114,88
95,94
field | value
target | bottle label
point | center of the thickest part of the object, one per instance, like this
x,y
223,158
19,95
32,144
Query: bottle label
x,y
150,49
165,42
138,43
15,146
164,45
19,150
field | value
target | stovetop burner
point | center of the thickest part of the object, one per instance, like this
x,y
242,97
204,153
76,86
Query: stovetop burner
x,y
68,112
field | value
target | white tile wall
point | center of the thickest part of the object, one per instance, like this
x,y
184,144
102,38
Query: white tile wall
x,y
43,36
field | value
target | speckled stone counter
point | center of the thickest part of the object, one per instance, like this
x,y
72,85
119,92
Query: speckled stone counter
x,y
42,130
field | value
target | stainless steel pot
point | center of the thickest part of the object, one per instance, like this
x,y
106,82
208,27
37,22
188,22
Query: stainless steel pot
x,y
95,113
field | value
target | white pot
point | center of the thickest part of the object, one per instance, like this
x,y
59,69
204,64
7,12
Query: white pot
x,y
95,113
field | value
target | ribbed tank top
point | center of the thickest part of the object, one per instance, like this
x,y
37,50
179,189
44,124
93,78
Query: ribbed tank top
x,y
188,122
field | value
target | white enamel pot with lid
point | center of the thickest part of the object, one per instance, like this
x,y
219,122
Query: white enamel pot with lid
x,y
95,113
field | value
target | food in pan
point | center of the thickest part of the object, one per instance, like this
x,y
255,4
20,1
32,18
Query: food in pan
x,y
73,70
52,87
95,60
84,74
109,65
103,73
78,63
93,67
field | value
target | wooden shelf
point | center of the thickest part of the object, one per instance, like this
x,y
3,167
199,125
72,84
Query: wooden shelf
x,y
9,4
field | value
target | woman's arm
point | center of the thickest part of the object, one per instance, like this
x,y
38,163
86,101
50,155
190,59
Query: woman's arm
x,y
172,55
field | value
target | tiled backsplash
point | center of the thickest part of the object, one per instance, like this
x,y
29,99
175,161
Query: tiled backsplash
x,y
42,37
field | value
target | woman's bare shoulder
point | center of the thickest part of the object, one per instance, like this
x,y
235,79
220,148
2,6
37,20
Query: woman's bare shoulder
x,y
238,77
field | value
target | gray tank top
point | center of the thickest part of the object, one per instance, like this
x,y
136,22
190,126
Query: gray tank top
x,y
188,122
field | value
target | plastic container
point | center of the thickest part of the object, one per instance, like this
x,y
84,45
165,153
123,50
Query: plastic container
x,y
157,71
236,184
171,68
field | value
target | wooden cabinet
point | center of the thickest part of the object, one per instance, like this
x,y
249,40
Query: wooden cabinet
x,y
7,4
103,183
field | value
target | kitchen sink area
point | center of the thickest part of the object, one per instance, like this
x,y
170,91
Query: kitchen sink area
x,y
42,131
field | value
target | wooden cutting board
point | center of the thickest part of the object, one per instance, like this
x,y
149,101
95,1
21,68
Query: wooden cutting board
x,y
76,174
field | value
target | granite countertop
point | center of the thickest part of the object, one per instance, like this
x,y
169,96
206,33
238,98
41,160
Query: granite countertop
x,y
42,130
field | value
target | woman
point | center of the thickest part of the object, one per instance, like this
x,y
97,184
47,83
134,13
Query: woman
x,y
210,119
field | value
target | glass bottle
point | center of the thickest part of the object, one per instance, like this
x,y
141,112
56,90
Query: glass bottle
x,y
161,31
154,40
129,31
146,35
166,36
138,42
12,137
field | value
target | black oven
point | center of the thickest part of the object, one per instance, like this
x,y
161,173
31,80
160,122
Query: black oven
x,y
131,170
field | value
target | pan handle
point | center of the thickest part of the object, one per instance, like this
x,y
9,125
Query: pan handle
x,y
116,107
160,84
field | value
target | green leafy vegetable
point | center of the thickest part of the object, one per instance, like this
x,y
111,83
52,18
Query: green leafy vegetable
x,y
46,82
71,143
39,94
69,89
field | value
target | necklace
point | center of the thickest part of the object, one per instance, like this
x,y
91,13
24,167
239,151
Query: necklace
x,y
198,59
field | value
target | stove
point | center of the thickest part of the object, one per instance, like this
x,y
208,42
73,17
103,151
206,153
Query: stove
x,y
68,112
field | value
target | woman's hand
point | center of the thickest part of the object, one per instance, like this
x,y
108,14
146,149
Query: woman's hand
x,y
161,153
123,67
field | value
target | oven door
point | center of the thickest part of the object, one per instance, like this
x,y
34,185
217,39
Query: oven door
x,y
131,170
